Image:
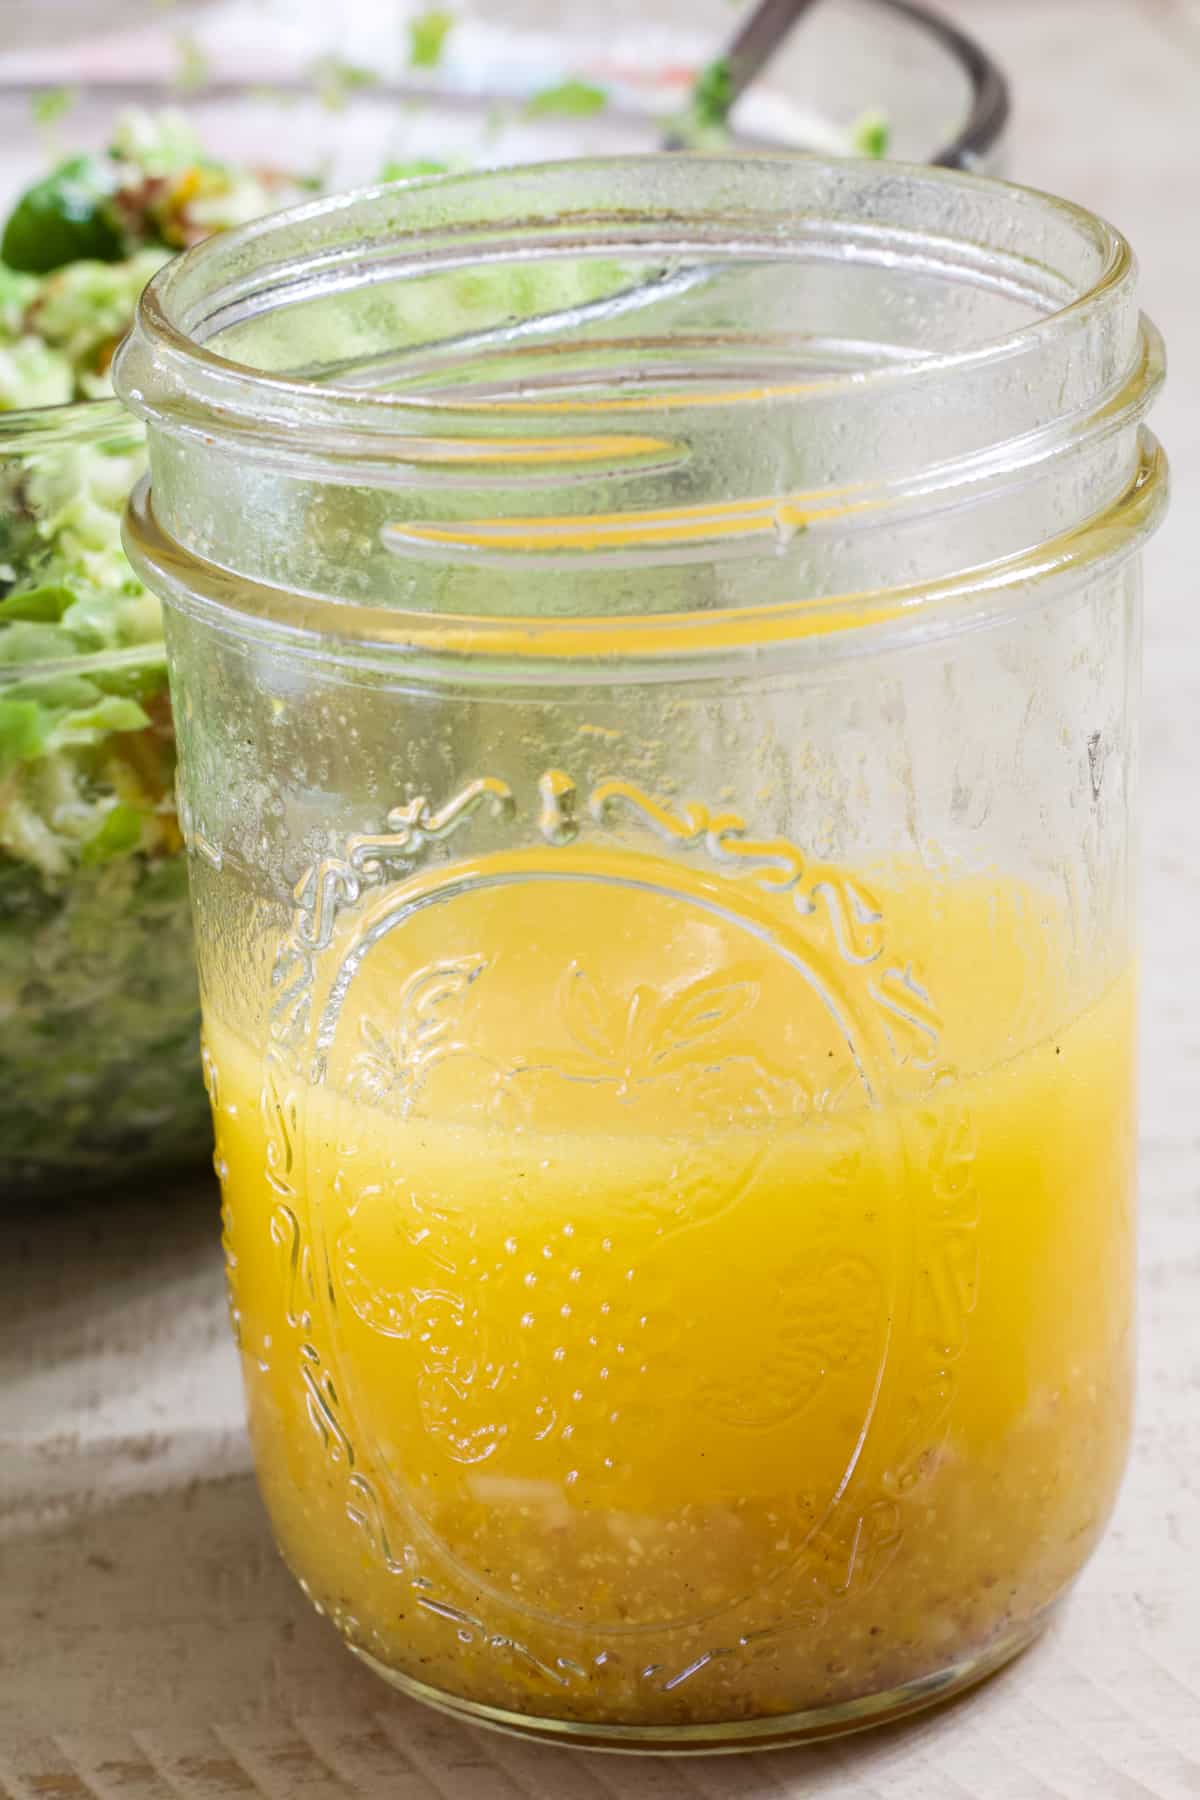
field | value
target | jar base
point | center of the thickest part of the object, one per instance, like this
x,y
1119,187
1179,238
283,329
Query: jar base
x,y
716,1738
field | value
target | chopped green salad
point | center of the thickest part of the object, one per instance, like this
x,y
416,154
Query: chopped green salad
x,y
82,774
98,1007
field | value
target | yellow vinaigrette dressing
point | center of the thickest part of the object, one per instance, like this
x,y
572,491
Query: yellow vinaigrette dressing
x,y
656,1305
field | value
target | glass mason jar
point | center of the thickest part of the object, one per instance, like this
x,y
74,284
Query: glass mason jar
x,y
655,653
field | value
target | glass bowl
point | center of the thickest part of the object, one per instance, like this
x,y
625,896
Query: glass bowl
x,y
99,1047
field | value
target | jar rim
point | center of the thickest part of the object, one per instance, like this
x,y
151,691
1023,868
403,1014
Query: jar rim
x,y
1077,371
243,389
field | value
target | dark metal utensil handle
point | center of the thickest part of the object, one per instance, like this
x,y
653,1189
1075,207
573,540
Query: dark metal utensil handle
x,y
758,38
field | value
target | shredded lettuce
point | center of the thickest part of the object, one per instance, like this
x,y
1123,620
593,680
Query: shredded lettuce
x,y
573,99
871,135
427,35
156,144
99,1038
99,1013
32,374
712,95
154,187
86,747
80,664
411,171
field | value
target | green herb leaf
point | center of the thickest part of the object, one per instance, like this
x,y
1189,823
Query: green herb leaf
x,y
55,694
409,171
712,95
30,641
22,733
51,104
119,833
571,99
427,36
871,135
63,218
44,605
113,713
158,143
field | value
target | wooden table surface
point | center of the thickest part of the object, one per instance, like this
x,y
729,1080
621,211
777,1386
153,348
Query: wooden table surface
x,y
151,1643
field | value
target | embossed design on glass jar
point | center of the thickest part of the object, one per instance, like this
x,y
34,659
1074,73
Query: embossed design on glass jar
x,y
340,881
398,1060
541,1360
816,1317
